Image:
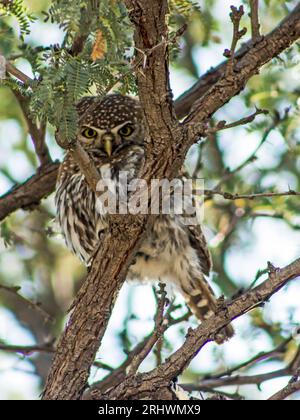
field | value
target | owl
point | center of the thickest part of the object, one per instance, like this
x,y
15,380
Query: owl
x,y
112,133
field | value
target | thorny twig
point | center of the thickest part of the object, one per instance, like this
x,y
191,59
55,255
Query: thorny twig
x,y
235,16
255,33
221,125
28,350
231,196
34,305
18,74
161,325
277,119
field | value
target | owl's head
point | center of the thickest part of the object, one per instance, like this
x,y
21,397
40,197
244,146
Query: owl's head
x,y
110,123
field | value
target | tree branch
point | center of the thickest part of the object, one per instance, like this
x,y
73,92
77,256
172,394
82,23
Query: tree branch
x,y
235,16
230,196
145,384
211,384
271,45
27,350
18,74
28,195
36,132
33,305
254,20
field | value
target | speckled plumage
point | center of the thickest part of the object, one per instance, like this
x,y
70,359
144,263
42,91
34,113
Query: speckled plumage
x,y
172,252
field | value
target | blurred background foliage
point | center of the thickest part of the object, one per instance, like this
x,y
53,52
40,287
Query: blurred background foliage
x,y
243,234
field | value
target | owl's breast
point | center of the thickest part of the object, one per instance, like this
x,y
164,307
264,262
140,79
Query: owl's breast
x,y
81,225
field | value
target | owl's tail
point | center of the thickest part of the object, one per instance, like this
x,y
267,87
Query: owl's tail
x,y
203,303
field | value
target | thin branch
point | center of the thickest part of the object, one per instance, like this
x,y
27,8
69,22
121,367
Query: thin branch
x,y
161,325
18,74
36,132
277,119
104,366
29,194
255,26
235,16
276,352
211,384
230,196
27,350
119,374
221,125
34,305
247,66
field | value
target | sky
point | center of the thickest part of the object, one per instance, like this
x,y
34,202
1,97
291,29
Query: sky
x,y
271,240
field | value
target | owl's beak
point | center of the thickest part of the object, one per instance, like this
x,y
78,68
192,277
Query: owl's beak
x,y
107,143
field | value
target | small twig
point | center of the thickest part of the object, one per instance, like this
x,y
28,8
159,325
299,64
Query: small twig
x,y
221,125
209,384
28,350
278,351
255,33
161,325
33,305
43,348
104,366
36,132
235,16
277,119
29,194
230,196
11,69
120,373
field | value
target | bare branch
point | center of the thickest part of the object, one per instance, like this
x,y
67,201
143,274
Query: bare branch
x,y
28,195
235,16
270,46
34,305
161,325
210,384
230,196
277,119
221,125
27,350
18,74
254,21
276,352
86,165
36,132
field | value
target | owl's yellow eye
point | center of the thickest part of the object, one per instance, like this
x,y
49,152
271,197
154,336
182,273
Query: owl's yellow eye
x,y
126,130
89,133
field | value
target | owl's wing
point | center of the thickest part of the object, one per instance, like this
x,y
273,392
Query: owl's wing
x,y
198,242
